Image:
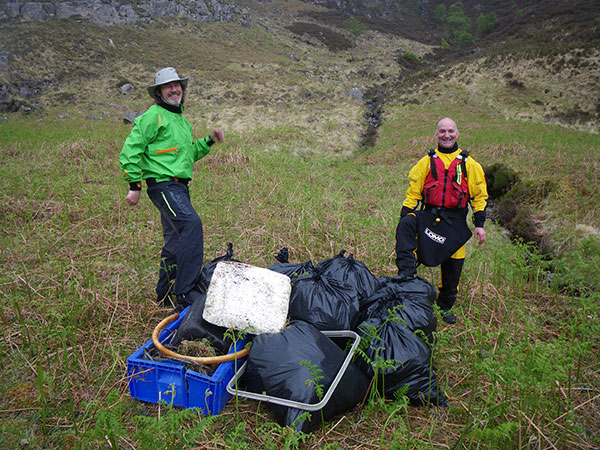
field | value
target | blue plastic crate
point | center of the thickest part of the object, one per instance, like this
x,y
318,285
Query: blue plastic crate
x,y
170,381
209,393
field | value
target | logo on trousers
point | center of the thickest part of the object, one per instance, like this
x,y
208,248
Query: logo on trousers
x,y
434,237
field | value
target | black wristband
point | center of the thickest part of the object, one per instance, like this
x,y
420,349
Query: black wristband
x,y
405,210
210,141
479,218
135,186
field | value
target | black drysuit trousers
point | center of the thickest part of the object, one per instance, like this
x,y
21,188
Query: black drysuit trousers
x,y
407,262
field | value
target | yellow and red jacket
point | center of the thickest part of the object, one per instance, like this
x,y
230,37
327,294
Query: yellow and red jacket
x,y
423,187
446,187
474,180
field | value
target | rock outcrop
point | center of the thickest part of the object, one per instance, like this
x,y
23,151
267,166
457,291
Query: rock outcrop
x,y
114,12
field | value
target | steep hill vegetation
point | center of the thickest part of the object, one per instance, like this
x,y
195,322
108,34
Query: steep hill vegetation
x,y
544,54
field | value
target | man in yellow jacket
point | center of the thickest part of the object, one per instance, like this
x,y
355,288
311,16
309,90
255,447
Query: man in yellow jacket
x,y
445,182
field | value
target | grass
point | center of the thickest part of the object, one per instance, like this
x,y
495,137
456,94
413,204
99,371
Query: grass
x,y
78,270
78,266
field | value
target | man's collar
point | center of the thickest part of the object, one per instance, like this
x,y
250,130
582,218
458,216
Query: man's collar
x,y
448,150
178,109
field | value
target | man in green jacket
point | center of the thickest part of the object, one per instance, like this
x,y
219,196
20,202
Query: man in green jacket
x,y
161,150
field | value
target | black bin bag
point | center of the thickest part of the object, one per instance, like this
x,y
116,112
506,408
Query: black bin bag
x,y
325,302
352,272
417,288
292,270
409,299
205,276
194,327
411,362
274,368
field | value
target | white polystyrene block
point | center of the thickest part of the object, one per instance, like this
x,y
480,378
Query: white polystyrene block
x,y
241,296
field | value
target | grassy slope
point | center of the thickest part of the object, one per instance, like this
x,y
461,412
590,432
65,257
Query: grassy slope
x,y
78,265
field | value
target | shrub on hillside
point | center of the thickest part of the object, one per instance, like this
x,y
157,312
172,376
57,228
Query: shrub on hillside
x,y
354,26
464,38
486,23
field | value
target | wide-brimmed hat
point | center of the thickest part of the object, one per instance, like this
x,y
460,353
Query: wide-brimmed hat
x,y
164,76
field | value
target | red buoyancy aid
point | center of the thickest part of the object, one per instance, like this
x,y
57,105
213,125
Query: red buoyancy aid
x,y
450,190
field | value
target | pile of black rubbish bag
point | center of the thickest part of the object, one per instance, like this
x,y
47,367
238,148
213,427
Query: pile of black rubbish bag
x,y
393,315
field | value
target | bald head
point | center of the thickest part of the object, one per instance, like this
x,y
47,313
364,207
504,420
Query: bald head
x,y
446,133
446,122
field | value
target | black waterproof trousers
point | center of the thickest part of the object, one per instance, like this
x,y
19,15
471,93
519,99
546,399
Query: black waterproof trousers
x,y
450,274
182,254
406,246
407,262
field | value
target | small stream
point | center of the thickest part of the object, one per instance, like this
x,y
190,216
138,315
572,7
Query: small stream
x,y
373,99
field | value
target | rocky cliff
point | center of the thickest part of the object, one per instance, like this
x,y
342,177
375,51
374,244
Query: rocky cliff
x,y
114,12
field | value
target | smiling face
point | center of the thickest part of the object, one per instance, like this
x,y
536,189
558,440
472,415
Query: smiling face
x,y
446,133
172,92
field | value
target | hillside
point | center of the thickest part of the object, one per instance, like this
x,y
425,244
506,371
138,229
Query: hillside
x,y
69,68
540,62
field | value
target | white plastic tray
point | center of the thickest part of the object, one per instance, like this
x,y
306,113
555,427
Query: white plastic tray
x,y
291,403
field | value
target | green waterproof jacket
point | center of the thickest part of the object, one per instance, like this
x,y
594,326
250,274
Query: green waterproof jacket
x,y
161,146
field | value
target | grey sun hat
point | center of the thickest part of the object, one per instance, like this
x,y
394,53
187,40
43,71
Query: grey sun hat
x,y
164,76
